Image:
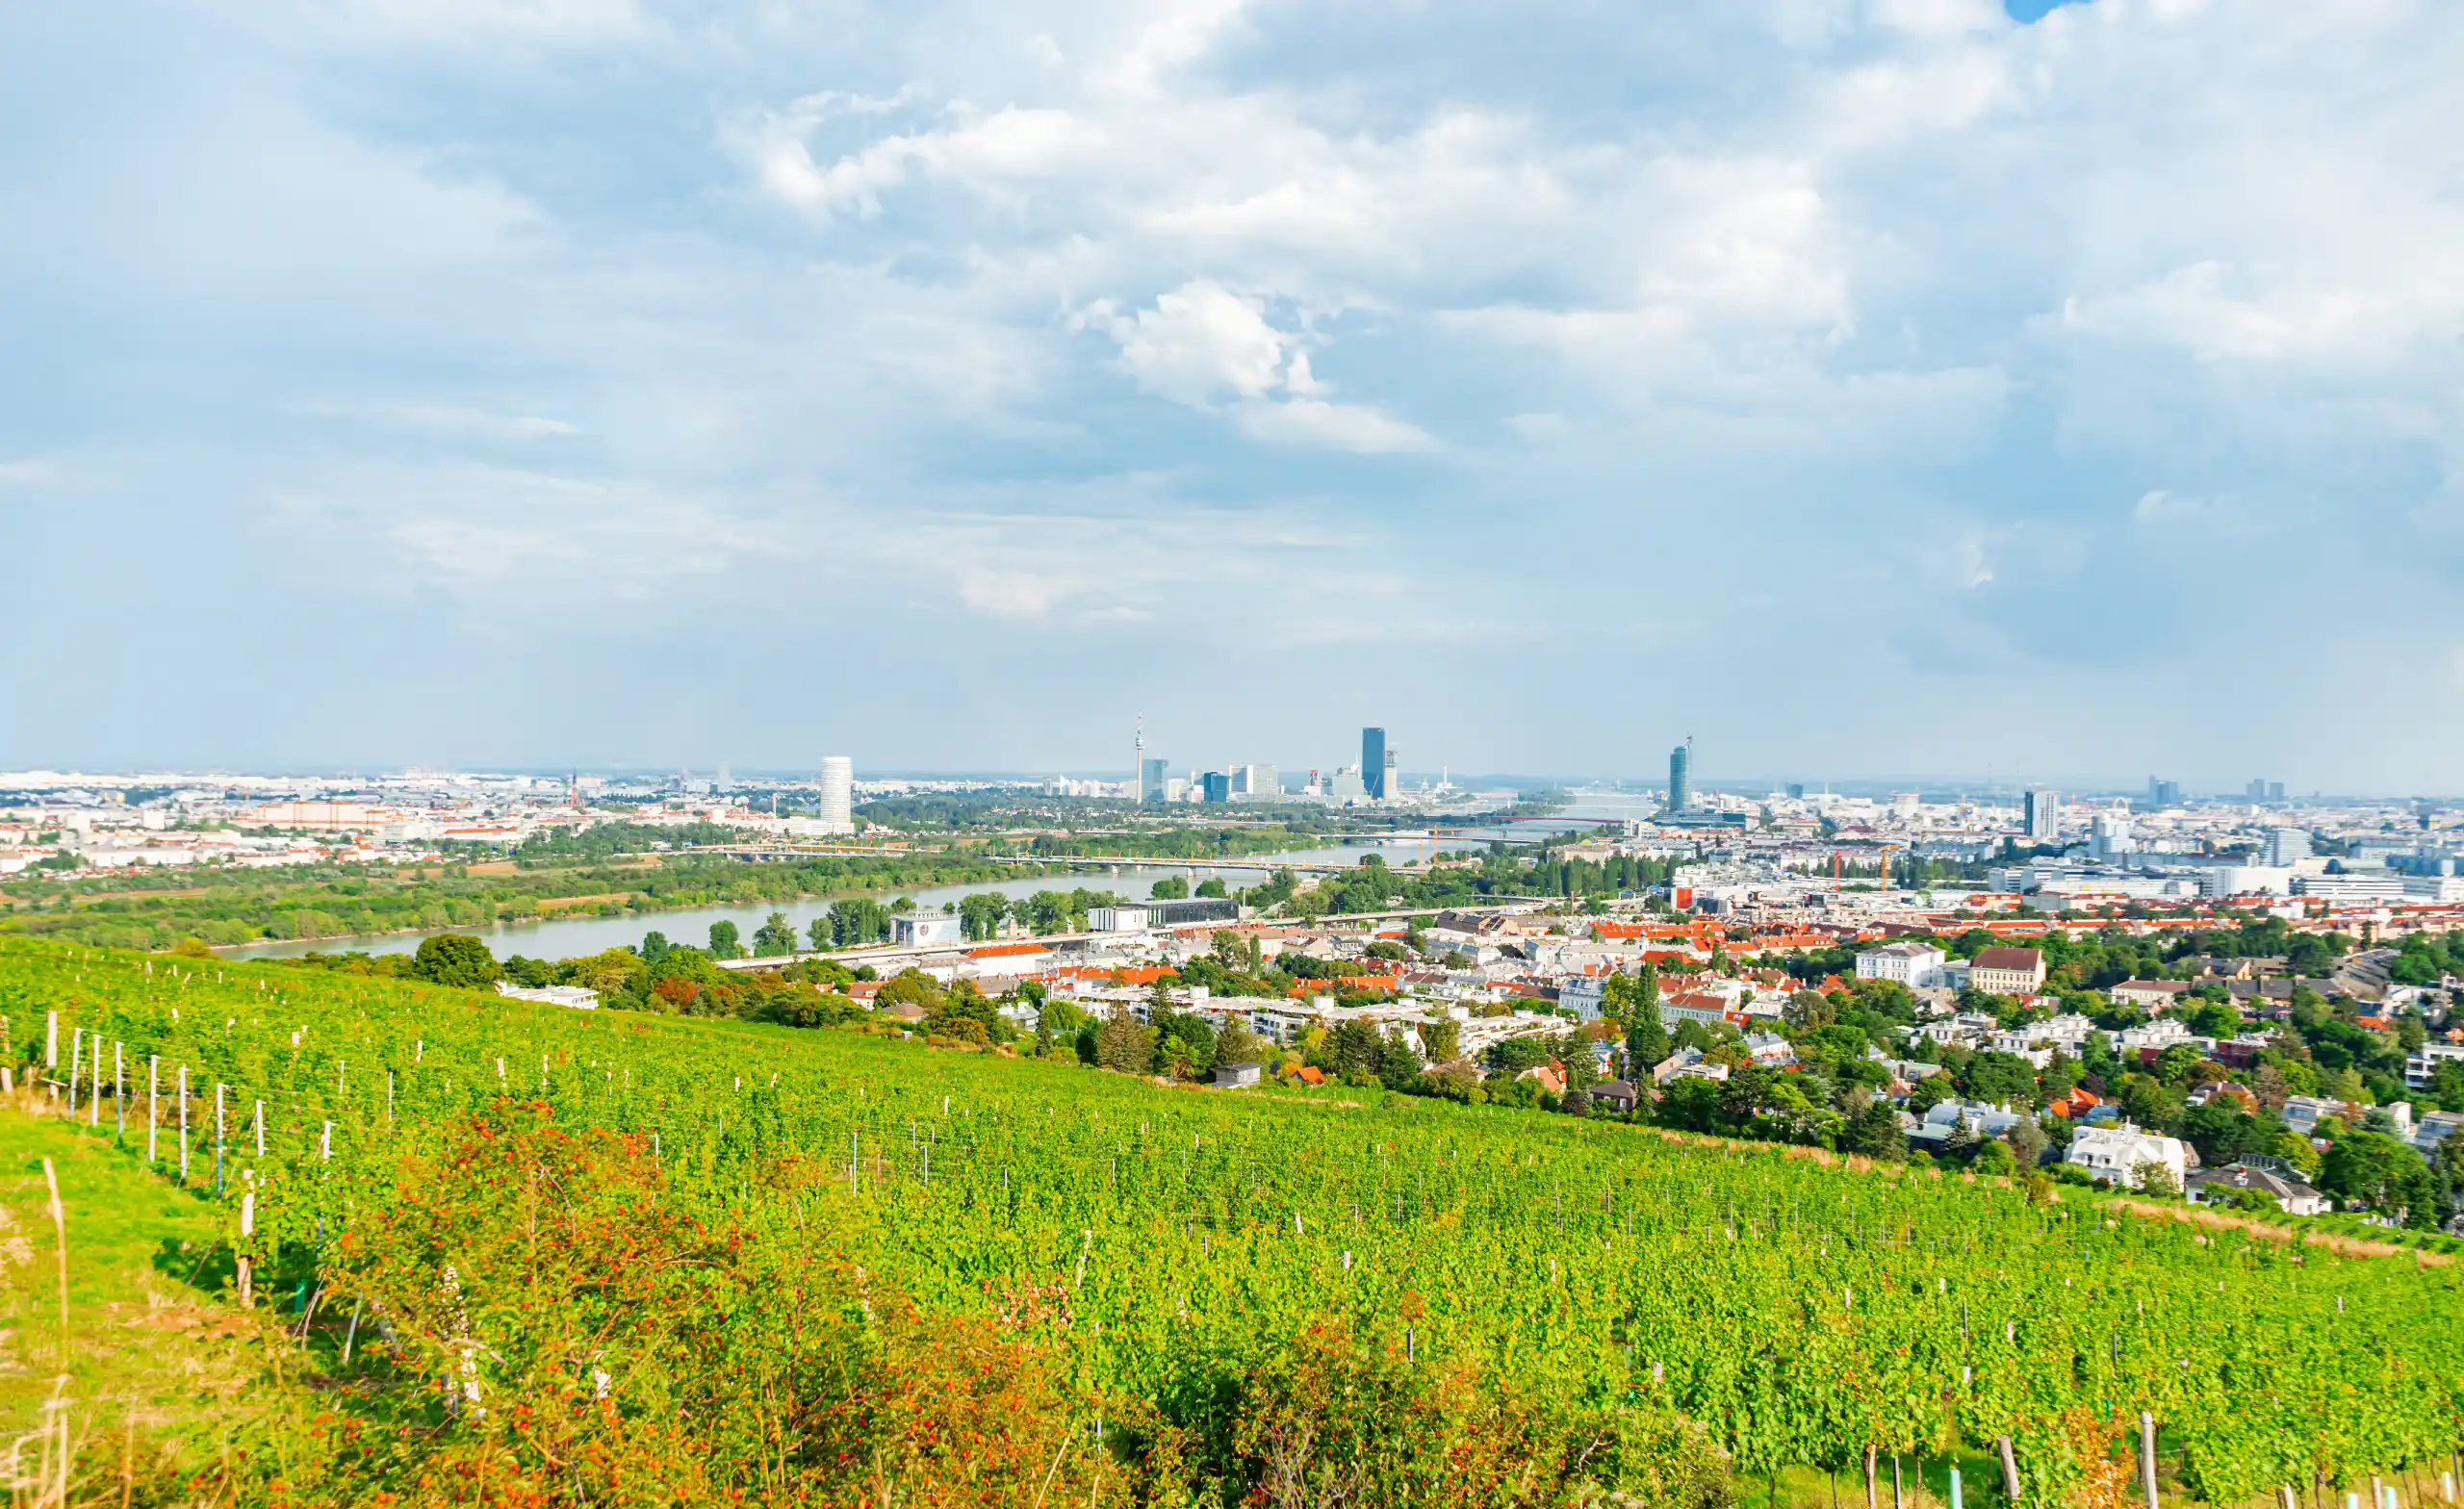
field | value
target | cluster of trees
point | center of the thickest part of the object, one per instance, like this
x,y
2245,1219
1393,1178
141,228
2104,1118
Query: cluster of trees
x,y
571,875
1372,885
1176,887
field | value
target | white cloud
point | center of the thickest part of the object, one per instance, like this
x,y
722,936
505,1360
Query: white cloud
x,y
1875,291
2163,508
445,421
460,25
1940,17
1200,340
28,473
1008,147
481,530
1316,425
2194,309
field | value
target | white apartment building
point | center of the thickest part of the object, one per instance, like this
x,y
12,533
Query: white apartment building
x,y
2160,1034
2421,1067
1916,965
2117,1153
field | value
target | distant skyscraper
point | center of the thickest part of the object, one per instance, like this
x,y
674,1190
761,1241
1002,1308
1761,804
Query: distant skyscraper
x,y
837,794
2164,793
1257,782
1796,791
2275,790
1217,785
2255,791
2285,845
1151,779
1375,762
1681,777
2044,815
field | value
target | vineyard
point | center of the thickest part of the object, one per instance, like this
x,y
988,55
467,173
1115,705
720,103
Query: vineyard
x,y
831,1266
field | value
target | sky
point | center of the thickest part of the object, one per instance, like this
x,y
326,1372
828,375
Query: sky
x,y
1862,387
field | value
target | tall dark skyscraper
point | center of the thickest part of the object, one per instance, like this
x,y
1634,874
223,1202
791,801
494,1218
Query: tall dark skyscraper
x,y
1681,777
1150,778
1373,762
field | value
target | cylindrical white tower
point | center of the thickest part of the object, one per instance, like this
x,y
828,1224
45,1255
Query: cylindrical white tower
x,y
838,793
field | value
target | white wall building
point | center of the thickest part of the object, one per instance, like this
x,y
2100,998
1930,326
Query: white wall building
x,y
2287,844
2117,1153
2245,880
1916,965
837,794
926,929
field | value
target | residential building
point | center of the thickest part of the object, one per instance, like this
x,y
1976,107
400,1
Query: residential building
x,y
2435,1128
1708,1010
2285,845
2155,995
2069,1030
2421,1068
1582,995
2302,1114
1770,1049
2043,816
2007,971
2120,1154
1979,1118
1617,1095
1916,965
2019,1045
2153,1036
2266,1175
1686,1064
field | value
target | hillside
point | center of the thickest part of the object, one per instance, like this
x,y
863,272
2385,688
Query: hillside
x,y
611,1258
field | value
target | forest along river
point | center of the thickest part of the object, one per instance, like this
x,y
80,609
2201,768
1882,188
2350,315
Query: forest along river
x,y
572,937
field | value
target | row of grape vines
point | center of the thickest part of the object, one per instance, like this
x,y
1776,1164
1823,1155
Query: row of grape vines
x,y
1804,1312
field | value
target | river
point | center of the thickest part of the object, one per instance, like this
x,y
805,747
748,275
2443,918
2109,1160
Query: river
x,y
570,937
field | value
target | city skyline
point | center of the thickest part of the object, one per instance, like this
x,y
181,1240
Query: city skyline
x,y
1930,786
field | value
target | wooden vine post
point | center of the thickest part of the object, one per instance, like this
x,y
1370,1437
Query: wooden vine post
x,y
2148,1457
